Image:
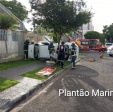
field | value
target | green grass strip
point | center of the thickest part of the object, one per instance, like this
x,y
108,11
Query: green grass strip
x,y
80,56
13,64
32,74
6,83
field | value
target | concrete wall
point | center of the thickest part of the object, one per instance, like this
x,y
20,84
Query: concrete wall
x,y
15,44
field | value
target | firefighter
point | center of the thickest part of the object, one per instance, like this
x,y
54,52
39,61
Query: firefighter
x,y
61,55
51,50
73,55
26,44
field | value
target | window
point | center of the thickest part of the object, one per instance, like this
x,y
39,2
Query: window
x,y
108,44
14,36
84,43
99,43
47,38
3,35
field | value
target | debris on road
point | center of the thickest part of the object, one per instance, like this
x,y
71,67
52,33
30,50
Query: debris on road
x,y
102,55
92,59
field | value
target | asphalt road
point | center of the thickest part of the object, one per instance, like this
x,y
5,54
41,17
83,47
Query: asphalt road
x,y
88,82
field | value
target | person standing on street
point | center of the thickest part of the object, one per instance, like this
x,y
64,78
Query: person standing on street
x,y
26,44
73,55
61,55
51,50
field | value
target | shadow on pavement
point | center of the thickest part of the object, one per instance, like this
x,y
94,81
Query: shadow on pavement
x,y
81,78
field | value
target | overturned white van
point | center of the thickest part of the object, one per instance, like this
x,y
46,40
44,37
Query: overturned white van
x,y
40,50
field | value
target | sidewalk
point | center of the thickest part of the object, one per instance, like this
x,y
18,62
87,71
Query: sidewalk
x,y
14,73
15,94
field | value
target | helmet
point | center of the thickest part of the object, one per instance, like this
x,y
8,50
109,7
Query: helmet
x,y
62,43
72,44
32,42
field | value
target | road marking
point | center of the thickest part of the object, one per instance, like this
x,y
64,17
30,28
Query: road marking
x,y
76,81
80,76
45,89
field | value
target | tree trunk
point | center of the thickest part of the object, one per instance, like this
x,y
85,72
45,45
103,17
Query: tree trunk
x,y
59,38
5,41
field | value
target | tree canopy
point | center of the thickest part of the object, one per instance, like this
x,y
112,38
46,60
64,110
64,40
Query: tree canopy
x,y
61,16
7,21
16,8
92,35
108,32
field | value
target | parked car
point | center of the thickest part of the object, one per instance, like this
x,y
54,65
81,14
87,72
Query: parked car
x,y
107,45
110,50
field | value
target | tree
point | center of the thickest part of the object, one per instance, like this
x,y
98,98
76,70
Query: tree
x,y
102,38
92,35
6,22
40,30
16,8
61,16
108,32
95,35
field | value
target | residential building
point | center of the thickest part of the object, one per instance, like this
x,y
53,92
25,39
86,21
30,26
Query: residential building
x,y
82,30
11,41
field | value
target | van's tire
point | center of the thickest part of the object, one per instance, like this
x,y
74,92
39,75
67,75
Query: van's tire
x,y
103,50
66,58
37,57
110,55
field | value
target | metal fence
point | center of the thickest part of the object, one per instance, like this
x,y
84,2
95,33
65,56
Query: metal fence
x,y
11,44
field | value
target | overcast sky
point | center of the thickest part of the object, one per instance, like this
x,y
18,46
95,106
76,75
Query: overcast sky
x,y
102,9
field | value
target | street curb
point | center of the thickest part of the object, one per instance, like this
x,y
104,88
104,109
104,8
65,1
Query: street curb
x,y
10,104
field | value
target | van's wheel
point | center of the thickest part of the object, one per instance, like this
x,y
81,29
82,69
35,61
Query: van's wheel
x,y
66,58
103,50
36,57
110,55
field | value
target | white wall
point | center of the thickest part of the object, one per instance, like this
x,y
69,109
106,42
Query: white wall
x,y
11,45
